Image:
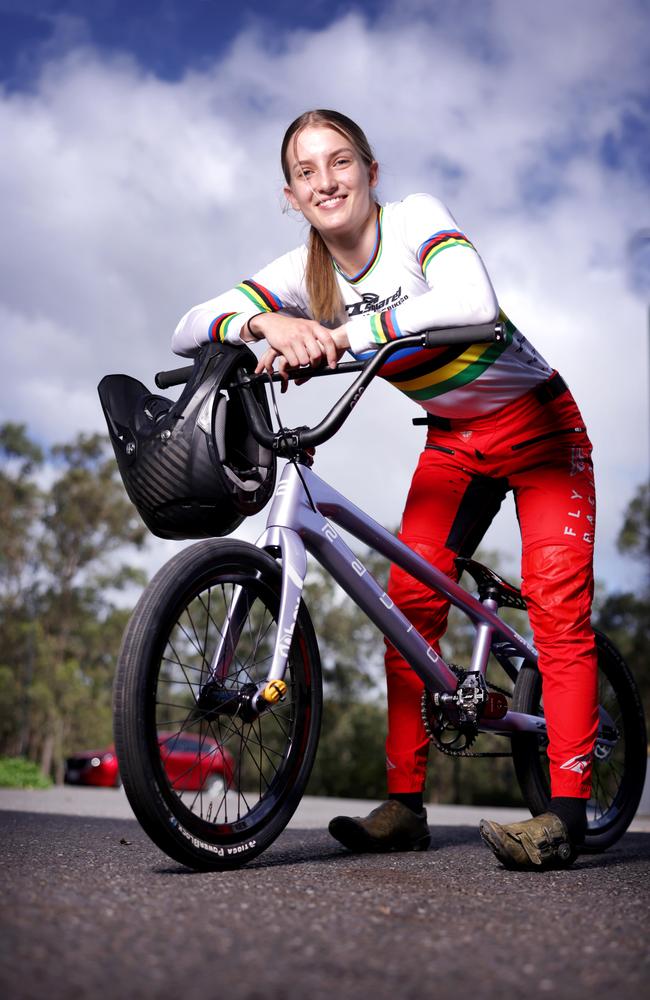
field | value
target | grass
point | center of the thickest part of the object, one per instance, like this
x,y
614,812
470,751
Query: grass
x,y
17,772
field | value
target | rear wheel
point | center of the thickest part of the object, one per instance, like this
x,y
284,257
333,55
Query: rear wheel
x,y
159,700
620,753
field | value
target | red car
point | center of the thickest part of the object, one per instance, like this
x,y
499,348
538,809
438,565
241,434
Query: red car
x,y
191,764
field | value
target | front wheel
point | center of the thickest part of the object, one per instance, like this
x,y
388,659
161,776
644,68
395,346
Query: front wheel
x,y
620,757
211,781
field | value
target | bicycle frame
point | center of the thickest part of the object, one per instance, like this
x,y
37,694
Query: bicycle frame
x,y
297,525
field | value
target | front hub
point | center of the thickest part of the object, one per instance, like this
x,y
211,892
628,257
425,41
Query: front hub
x,y
216,700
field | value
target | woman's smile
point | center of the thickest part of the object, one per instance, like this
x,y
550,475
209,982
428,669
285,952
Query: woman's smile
x,y
332,202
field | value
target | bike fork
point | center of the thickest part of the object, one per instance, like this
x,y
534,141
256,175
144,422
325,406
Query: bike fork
x,y
294,564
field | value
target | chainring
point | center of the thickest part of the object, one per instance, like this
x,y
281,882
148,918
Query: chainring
x,y
448,736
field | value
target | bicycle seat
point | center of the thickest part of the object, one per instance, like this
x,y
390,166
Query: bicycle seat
x,y
489,582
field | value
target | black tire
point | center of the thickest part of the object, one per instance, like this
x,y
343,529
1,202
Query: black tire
x,y
166,651
618,772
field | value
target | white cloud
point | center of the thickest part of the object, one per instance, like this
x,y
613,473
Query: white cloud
x,y
126,199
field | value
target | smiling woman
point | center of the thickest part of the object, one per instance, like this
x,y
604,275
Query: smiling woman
x,y
331,172
499,419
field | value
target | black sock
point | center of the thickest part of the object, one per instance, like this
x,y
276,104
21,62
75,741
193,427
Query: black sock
x,y
412,800
573,813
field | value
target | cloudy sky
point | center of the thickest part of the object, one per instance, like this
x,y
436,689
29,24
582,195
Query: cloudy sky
x,y
139,175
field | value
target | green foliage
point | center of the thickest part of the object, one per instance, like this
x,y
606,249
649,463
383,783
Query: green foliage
x,y
351,648
17,772
350,758
59,627
625,615
480,781
634,536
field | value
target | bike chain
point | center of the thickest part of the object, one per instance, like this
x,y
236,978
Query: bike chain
x,y
444,748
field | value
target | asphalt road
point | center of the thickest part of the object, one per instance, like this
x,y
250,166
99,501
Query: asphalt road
x,y
92,909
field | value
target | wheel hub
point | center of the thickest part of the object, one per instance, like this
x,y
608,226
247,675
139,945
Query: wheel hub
x,y
217,700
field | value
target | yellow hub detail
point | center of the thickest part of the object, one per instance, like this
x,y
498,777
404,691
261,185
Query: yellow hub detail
x,y
274,692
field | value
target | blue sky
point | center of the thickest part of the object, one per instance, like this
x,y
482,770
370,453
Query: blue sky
x,y
166,36
140,175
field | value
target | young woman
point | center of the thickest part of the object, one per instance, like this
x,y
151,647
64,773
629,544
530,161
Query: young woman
x,y
499,418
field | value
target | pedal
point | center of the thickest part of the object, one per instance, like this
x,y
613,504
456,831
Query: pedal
x,y
274,692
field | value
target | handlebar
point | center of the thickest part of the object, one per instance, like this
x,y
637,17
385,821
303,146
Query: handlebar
x,y
177,376
288,441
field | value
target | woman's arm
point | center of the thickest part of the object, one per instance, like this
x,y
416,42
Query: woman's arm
x,y
459,290
228,317
225,317
255,310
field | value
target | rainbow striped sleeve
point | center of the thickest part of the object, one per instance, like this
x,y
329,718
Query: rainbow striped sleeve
x,y
384,326
440,241
263,300
261,297
219,327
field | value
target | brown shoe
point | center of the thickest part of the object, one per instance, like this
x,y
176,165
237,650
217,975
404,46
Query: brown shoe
x,y
539,843
392,826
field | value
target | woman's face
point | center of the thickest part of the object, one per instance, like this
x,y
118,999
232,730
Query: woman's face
x,y
329,182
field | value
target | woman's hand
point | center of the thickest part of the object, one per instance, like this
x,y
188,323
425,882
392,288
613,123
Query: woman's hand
x,y
297,343
300,341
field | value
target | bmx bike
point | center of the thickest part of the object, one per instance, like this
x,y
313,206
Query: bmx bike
x,y
221,645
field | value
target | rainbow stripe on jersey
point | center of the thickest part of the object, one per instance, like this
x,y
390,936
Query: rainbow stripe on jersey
x,y
438,242
262,299
265,300
425,373
219,326
384,326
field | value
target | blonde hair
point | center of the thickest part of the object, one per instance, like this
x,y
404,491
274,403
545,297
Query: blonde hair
x,y
324,295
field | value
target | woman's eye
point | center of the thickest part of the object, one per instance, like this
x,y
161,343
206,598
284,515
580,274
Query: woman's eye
x,y
341,162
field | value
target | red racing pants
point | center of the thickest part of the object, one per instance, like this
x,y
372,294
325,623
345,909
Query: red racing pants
x,y
537,447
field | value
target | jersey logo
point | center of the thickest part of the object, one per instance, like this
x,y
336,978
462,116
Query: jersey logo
x,y
370,303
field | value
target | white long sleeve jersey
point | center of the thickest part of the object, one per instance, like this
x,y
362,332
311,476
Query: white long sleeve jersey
x,y
423,274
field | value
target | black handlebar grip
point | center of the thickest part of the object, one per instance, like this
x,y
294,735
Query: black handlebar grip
x,y
165,380
481,333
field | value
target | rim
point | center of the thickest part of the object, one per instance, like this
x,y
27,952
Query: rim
x,y
241,771
609,767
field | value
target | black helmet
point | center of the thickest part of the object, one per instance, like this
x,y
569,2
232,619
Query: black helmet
x,y
191,467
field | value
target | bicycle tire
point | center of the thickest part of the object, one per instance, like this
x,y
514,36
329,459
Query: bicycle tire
x,y
618,775
162,666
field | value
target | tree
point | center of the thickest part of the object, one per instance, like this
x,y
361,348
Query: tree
x,y
58,581
634,536
625,615
19,510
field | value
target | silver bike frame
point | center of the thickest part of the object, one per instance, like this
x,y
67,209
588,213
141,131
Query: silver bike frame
x,y
301,519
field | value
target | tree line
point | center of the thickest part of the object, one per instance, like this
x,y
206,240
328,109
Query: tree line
x,y
68,535
63,518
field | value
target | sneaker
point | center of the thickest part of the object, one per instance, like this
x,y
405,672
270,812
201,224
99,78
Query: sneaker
x,y
539,843
392,826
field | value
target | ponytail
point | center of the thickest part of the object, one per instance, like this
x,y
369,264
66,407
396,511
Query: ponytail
x,y
325,299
